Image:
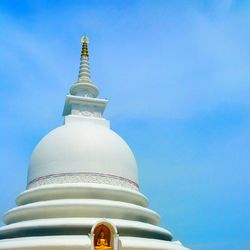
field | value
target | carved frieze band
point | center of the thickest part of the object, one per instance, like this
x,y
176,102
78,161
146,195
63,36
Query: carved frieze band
x,y
87,113
83,178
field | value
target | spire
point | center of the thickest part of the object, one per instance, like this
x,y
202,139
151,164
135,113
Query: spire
x,y
82,100
84,85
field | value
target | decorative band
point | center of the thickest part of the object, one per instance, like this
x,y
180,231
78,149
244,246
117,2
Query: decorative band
x,y
83,177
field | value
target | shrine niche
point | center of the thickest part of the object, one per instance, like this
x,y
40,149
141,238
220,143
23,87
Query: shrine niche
x,y
104,236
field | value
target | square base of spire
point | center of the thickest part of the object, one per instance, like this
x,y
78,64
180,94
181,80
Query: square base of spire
x,y
84,106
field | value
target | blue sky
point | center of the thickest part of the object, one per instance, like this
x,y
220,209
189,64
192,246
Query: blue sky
x,y
177,76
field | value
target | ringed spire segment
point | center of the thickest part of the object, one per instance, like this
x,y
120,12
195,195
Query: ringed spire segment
x,y
85,41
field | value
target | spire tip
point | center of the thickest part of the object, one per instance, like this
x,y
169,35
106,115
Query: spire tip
x,y
84,39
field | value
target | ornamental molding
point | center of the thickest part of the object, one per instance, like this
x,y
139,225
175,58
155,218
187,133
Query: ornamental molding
x,y
83,177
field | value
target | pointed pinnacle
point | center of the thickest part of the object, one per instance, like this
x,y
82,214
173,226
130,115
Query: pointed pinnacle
x,y
85,41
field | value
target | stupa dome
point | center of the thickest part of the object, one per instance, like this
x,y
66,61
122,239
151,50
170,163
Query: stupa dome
x,y
79,150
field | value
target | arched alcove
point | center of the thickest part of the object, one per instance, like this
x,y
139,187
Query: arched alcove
x,y
104,236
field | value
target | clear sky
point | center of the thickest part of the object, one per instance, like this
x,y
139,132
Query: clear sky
x,y
177,76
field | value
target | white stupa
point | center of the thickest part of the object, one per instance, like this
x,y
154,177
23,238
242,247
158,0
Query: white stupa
x,y
82,190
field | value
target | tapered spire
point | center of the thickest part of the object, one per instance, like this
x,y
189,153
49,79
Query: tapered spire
x,y
82,100
84,85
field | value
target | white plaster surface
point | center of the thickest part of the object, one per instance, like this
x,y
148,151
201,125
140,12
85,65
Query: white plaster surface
x,y
83,147
63,208
81,191
83,242
136,243
72,222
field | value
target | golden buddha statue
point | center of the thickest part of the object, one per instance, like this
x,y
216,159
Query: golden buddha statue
x,y
102,243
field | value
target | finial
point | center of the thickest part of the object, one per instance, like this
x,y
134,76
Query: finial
x,y
85,41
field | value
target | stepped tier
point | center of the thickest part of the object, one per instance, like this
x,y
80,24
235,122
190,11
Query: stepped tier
x,y
61,216
81,191
80,226
81,208
83,242
70,204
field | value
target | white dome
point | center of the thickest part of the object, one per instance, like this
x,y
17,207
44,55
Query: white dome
x,y
85,147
